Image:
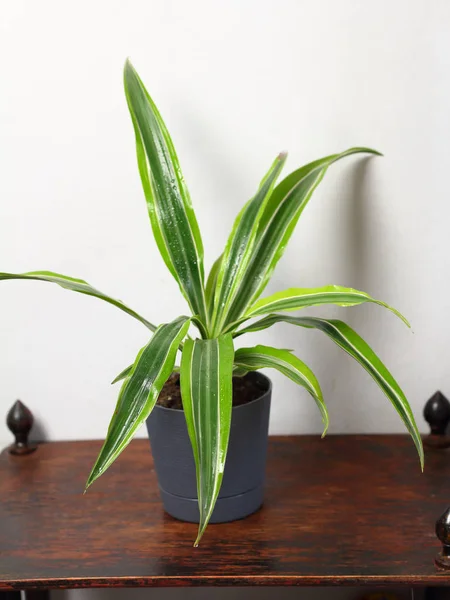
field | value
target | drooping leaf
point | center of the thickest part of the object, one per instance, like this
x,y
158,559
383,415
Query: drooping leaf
x,y
289,182
238,250
282,213
76,285
296,298
140,390
260,357
206,391
347,339
172,218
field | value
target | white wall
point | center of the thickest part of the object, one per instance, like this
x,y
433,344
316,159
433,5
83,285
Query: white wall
x,y
237,82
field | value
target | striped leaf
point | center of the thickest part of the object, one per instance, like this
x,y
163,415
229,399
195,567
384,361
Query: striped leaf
x,y
140,390
206,390
76,285
289,182
121,376
347,339
260,357
210,289
296,298
282,213
239,247
171,215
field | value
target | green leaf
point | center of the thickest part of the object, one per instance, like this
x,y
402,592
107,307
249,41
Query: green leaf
x,y
171,215
210,288
281,215
289,182
200,326
206,391
347,339
260,357
140,390
296,298
76,285
239,247
122,375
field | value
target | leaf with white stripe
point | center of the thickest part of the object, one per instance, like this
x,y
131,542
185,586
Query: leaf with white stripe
x,y
283,210
206,390
210,288
347,339
239,247
297,298
288,183
261,357
140,390
76,285
171,215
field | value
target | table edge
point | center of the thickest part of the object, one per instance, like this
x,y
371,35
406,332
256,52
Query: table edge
x,y
436,579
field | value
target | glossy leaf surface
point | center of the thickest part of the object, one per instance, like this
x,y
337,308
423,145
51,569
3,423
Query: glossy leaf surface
x,y
173,221
297,298
260,357
206,389
347,339
210,289
140,390
282,213
239,247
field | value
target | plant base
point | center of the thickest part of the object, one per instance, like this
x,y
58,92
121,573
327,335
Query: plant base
x,y
226,509
242,489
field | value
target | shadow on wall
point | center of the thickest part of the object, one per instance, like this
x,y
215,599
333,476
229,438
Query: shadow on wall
x,y
39,432
353,257
234,594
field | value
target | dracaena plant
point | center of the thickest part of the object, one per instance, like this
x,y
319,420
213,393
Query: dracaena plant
x,y
224,306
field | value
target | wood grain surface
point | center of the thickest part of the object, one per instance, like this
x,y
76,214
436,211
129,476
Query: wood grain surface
x,y
346,510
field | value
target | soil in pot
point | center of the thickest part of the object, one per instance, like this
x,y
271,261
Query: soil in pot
x,y
245,390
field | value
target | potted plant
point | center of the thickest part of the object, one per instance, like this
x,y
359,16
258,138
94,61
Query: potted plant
x,y
219,386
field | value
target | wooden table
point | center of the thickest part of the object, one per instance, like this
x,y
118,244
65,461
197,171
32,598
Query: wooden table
x,y
345,510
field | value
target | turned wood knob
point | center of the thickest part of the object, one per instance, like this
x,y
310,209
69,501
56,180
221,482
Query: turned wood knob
x,y
443,533
20,421
437,415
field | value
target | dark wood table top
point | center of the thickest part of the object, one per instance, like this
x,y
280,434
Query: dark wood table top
x,y
340,511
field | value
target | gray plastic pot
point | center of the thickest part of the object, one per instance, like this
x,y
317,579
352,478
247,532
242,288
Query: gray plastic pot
x,y
242,488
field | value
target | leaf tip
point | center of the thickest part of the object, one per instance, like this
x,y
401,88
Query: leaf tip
x,y
404,319
422,459
201,531
90,480
282,155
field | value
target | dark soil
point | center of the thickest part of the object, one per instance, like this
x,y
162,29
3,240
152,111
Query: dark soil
x,y
245,389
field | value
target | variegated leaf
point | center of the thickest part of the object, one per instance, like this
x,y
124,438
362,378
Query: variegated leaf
x,y
206,390
140,390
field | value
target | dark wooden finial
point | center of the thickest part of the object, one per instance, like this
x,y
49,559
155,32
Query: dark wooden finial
x,y
20,421
437,414
443,533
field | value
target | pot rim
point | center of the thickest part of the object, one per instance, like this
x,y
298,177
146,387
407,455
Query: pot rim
x,y
267,391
